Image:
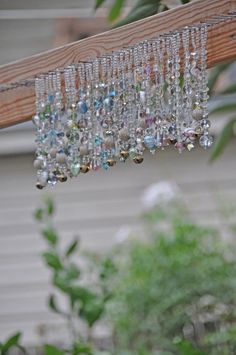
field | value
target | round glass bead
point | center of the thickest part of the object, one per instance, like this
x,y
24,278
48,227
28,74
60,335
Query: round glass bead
x,y
82,107
205,124
197,113
206,141
149,142
52,180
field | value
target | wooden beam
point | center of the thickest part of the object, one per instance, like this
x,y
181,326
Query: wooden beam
x,y
17,105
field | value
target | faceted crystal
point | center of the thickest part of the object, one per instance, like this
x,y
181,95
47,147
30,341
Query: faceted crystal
x,y
75,168
206,141
149,142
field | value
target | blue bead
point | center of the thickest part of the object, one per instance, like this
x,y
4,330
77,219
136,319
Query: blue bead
x,y
105,166
53,133
51,98
108,103
82,107
98,140
97,104
112,93
104,154
60,134
149,142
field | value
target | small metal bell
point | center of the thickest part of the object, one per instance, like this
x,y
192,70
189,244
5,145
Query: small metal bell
x,y
62,177
111,162
84,168
39,186
138,159
124,154
173,141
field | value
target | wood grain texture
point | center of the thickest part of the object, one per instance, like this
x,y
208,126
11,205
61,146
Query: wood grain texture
x,y
17,105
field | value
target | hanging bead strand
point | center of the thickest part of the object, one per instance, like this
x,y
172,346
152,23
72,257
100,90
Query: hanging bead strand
x,y
206,139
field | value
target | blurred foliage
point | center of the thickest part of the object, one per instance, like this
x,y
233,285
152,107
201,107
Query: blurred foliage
x,y
11,343
226,96
227,105
175,292
170,293
86,300
140,10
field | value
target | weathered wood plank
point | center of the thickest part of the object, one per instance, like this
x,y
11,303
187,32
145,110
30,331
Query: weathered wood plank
x,y
17,105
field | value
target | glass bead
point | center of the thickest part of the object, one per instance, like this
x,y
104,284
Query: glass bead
x,y
75,168
52,180
206,141
105,166
108,103
179,146
98,140
197,114
149,142
36,120
205,124
82,107
149,120
124,134
132,153
190,146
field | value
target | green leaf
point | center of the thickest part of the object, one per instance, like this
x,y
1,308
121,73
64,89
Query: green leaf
x,y
53,305
187,348
115,10
222,140
61,283
99,3
72,272
91,311
108,269
171,4
11,342
224,108
72,247
52,350
38,214
53,260
139,13
82,293
231,89
50,205
50,235
215,74
79,348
